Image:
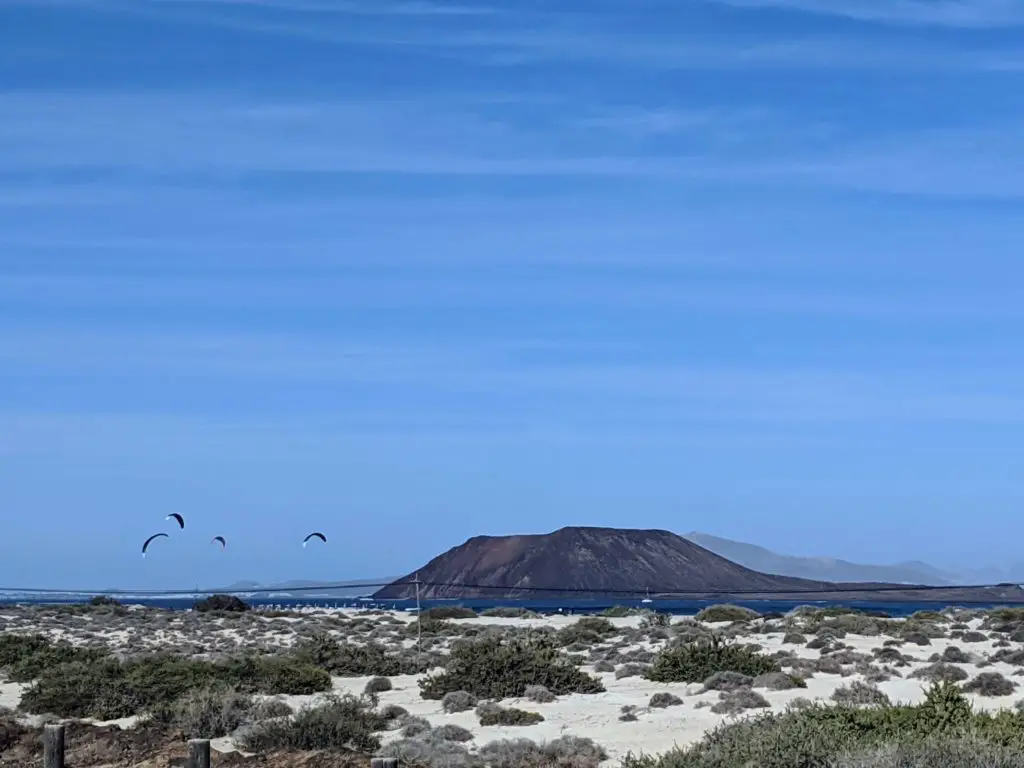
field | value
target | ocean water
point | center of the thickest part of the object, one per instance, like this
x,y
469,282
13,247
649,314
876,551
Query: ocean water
x,y
582,607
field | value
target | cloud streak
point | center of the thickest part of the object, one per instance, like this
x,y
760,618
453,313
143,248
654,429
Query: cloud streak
x,y
201,139
964,14
492,373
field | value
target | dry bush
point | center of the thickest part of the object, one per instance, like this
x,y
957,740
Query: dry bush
x,y
207,713
563,752
493,714
778,681
734,702
539,694
378,685
663,699
859,694
990,684
458,701
344,723
940,672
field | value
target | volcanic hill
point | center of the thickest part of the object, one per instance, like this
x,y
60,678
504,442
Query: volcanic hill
x,y
581,560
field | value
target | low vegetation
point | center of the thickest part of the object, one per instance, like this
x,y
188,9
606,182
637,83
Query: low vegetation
x,y
443,612
23,658
943,731
493,714
109,689
208,712
714,613
342,723
346,659
695,662
221,604
78,682
498,668
587,631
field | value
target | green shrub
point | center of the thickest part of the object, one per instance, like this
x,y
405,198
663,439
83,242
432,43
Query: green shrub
x,y
11,731
858,694
414,726
663,699
778,681
206,713
734,702
563,752
352,660
618,611
539,694
378,685
496,668
342,723
726,612
109,689
458,701
23,658
990,684
452,732
442,612
268,708
943,752
221,603
697,661
939,672
727,681
509,612
495,715
100,601
816,736
588,630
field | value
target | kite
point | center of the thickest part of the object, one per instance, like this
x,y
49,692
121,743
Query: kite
x,y
145,544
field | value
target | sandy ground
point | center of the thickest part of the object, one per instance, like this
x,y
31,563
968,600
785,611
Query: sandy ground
x,y
597,715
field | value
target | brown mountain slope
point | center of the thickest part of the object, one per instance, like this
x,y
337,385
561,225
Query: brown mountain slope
x,y
598,559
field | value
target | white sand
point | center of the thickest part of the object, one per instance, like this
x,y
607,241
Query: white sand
x,y
597,715
10,695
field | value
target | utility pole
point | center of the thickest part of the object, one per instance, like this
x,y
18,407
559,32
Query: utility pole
x,y
419,620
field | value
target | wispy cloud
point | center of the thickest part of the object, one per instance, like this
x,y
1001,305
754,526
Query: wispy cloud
x,y
144,139
496,290
513,374
970,14
410,8
499,38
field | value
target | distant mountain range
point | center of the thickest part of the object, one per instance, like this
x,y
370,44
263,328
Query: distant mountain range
x,y
576,561
317,589
833,569
579,562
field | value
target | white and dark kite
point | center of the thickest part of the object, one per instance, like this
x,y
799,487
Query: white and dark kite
x,y
145,544
314,535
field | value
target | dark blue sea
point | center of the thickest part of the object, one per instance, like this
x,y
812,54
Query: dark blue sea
x,y
582,607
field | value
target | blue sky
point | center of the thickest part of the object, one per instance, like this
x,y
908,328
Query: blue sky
x,y
408,271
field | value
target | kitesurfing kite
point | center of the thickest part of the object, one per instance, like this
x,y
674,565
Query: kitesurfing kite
x,y
145,544
179,518
223,543
314,534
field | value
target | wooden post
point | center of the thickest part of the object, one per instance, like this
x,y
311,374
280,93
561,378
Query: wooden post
x,y
199,753
384,762
53,746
